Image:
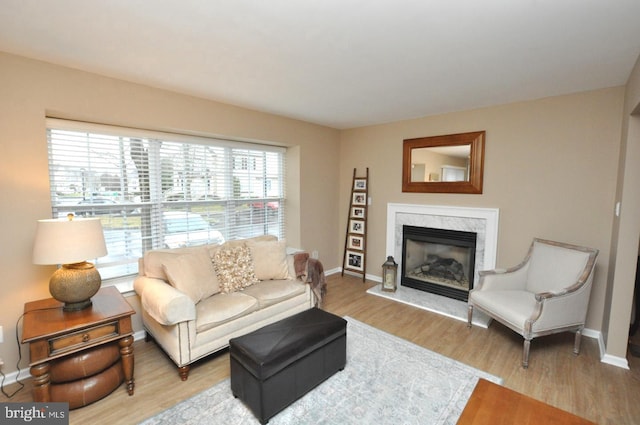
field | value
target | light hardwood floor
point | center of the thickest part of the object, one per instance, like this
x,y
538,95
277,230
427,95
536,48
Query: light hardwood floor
x,y
581,385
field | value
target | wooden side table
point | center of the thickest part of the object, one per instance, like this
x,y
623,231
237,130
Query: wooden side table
x,y
79,356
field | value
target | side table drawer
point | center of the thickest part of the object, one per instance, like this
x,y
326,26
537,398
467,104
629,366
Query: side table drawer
x,y
83,337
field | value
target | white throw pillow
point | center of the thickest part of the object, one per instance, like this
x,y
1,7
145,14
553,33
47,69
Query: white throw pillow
x,y
192,274
154,260
269,259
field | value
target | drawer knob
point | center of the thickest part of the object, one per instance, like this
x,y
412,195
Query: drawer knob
x,y
85,337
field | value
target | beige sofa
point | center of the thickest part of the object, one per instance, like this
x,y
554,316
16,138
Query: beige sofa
x,y
195,299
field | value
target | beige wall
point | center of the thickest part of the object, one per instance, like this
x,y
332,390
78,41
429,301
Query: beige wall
x,y
30,90
626,230
550,167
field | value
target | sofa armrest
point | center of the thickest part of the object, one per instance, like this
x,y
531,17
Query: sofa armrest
x,y
163,302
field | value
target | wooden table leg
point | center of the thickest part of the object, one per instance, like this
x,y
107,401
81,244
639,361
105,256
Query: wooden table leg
x,y
126,353
41,382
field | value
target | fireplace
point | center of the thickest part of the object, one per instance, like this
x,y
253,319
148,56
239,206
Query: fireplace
x,y
439,261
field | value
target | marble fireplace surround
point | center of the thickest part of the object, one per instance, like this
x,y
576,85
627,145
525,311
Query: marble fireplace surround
x,y
483,221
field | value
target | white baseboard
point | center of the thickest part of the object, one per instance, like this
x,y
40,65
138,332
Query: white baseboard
x,y
332,271
620,362
590,333
137,336
367,276
11,378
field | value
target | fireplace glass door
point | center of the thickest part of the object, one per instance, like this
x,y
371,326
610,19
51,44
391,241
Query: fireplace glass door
x,y
438,261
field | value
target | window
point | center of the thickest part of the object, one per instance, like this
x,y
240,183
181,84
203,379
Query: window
x,y
158,190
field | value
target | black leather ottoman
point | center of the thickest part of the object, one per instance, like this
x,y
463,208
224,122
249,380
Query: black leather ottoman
x,y
277,364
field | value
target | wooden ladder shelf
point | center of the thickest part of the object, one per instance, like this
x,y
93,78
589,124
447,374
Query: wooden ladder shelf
x,y
355,242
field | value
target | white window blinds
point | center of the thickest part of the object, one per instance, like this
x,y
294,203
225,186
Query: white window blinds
x,y
160,190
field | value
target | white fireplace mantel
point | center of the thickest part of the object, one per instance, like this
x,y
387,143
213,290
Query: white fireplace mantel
x,y
483,221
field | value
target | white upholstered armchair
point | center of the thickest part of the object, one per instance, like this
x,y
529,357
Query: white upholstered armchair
x,y
547,293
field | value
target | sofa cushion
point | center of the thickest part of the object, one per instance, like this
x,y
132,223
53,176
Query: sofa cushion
x,y
270,292
269,259
192,274
154,259
222,308
234,268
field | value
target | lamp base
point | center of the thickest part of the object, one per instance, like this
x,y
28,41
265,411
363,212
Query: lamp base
x,y
76,306
74,285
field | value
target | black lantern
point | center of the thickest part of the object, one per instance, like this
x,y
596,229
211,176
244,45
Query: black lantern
x,y
389,274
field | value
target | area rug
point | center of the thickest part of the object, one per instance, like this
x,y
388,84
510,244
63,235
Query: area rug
x,y
387,380
433,303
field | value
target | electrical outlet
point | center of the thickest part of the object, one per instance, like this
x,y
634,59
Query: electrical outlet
x,y
1,335
314,254
1,362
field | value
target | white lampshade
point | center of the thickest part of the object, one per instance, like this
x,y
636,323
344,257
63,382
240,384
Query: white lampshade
x,y
64,241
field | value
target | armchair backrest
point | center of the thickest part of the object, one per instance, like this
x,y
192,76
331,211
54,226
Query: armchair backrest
x,y
554,266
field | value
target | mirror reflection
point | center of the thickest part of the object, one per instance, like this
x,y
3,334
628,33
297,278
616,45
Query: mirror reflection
x,y
440,164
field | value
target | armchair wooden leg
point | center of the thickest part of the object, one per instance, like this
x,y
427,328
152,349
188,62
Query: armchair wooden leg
x,y
469,315
576,343
525,353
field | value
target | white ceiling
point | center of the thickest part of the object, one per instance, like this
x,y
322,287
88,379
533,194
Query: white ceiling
x,y
340,63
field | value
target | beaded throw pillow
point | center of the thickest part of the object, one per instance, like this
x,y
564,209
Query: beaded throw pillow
x,y
234,268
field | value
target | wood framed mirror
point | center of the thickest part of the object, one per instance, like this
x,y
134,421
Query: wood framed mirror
x,y
452,163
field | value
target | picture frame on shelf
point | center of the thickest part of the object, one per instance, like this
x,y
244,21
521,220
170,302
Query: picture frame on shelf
x,y
360,184
359,199
356,226
358,212
355,260
355,242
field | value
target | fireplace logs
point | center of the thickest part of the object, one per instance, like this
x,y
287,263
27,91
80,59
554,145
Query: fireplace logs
x,y
443,270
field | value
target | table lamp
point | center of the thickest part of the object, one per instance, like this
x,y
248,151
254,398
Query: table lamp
x,y
69,242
